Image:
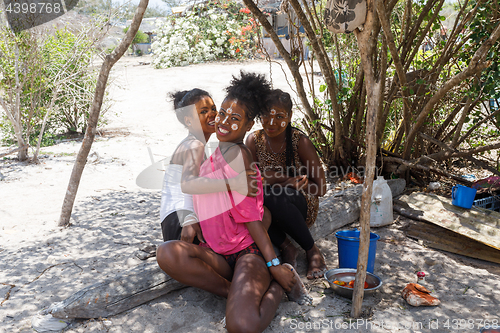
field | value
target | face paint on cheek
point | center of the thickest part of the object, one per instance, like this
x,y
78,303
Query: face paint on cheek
x,y
283,123
234,127
217,119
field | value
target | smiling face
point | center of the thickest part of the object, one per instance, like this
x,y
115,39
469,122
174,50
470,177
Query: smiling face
x,y
275,121
207,111
231,122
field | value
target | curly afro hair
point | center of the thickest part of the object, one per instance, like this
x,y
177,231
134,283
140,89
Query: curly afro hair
x,y
252,90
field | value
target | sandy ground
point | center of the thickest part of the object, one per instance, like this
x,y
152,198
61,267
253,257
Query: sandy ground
x,y
113,217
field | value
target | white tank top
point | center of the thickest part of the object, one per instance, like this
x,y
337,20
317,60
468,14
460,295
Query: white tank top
x,y
172,197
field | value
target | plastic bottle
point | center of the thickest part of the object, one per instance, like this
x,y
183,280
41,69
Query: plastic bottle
x,y
381,207
421,280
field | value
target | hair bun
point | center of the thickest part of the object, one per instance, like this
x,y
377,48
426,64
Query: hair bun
x,y
252,89
185,98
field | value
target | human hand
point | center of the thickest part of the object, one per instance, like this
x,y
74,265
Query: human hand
x,y
190,231
297,182
284,276
245,183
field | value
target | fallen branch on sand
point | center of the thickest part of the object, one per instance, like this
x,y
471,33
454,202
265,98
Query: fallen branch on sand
x,y
7,295
13,151
147,281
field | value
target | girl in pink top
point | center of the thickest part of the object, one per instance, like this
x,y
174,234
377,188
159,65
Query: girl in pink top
x,y
223,215
240,263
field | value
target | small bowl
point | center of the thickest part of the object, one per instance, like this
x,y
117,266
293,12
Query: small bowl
x,y
490,329
347,275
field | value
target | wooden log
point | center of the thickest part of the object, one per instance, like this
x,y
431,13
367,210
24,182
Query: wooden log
x,y
443,239
147,281
120,293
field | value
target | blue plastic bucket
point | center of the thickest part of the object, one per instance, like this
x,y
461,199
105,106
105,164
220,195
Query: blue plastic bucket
x,y
463,196
348,246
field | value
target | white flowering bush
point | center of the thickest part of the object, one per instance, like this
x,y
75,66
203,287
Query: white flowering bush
x,y
205,34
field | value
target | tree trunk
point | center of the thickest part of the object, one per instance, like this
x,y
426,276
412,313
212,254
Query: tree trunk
x,y
102,80
326,69
22,146
384,20
365,43
23,153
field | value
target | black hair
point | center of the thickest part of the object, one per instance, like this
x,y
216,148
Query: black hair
x,y
252,90
185,98
279,98
282,99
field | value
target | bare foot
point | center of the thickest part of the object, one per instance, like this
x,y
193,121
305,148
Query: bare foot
x,y
299,292
288,252
316,263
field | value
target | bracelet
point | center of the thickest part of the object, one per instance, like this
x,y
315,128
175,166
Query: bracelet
x,y
189,219
273,262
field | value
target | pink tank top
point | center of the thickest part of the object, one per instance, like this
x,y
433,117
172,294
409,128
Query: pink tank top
x,y
223,215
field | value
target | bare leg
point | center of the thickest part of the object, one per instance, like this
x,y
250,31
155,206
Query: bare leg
x,y
195,266
253,297
316,263
289,252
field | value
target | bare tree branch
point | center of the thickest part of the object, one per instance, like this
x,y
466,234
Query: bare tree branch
x,y
428,168
13,151
476,65
294,69
326,69
474,160
384,20
479,123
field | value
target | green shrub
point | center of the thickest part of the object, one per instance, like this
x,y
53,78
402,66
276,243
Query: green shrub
x,y
56,83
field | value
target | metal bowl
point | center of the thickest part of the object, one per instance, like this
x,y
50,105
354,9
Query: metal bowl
x,y
347,275
490,330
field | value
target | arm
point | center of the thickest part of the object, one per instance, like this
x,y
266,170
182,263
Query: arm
x,y
316,184
190,231
250,143
270,177
313,182
192,184
275,176
281,273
